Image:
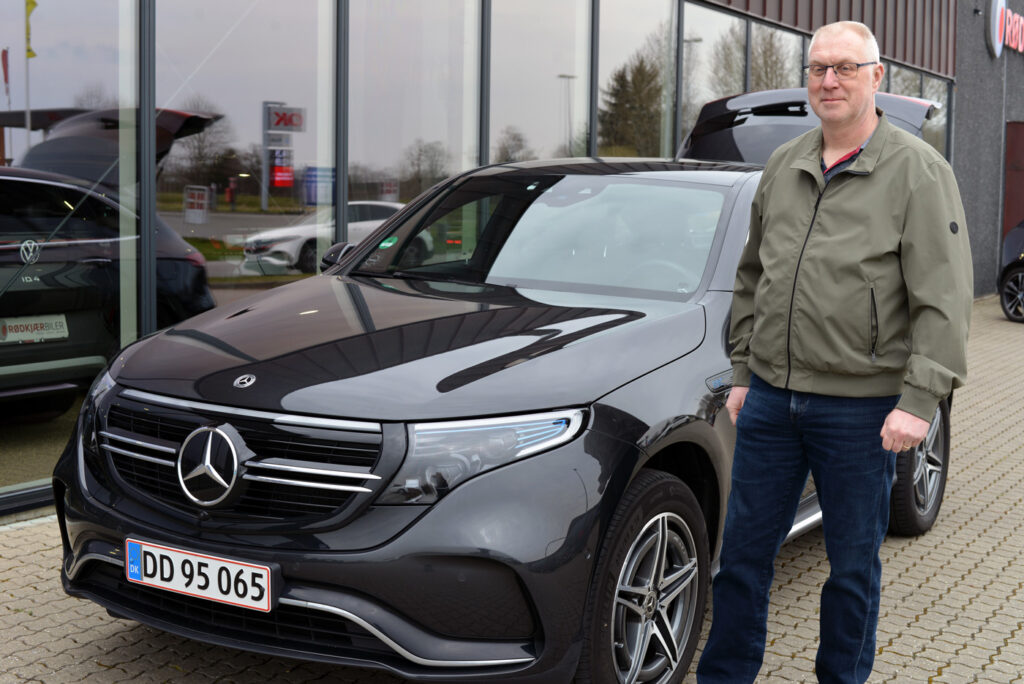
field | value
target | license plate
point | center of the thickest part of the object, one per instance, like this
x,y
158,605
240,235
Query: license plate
x,y
33,329
197,574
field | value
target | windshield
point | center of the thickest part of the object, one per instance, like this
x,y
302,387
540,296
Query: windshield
x,y
564,232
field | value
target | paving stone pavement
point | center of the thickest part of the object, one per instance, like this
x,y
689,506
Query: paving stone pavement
x,y
952,600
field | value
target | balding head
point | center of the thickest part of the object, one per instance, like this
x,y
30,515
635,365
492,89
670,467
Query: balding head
x,y
871,53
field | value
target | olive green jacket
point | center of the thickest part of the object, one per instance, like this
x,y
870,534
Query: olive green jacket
x,y
861,286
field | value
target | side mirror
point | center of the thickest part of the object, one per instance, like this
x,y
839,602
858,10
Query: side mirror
x,y
335,254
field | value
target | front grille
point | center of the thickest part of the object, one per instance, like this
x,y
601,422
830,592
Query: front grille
x,y
295,472
286,626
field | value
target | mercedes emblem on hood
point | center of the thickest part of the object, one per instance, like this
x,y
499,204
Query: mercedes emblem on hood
x,y
208,465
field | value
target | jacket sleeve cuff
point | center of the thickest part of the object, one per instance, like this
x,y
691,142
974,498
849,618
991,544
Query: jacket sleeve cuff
x,y
740,375
918,402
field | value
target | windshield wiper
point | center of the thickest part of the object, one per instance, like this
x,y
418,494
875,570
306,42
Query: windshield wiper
x,y
415,275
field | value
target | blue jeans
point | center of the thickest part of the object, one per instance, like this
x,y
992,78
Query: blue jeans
x,y
780,436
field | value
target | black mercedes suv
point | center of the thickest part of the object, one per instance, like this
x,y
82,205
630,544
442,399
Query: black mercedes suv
x,y
505,460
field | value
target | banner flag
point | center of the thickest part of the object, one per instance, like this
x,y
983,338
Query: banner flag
x,y
29,6
7,80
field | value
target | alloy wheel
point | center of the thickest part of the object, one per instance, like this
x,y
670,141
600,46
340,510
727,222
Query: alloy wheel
x,y
928,464
1012,295
655,601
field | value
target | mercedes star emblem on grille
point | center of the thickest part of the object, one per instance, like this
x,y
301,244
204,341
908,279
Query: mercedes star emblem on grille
x,y
29,252
243,381
207,465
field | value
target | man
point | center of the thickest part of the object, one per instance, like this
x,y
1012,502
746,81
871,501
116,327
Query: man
x,y
849,325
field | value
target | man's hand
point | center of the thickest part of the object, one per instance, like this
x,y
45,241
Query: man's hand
x,y
901,431
737,395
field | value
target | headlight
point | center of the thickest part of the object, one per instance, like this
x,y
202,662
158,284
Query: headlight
x,y
100,386
441,455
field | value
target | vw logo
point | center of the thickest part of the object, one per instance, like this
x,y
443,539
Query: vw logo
x,y
207,465
29,252
243,381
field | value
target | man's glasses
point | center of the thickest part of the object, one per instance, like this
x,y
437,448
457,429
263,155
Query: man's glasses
x,y
843,71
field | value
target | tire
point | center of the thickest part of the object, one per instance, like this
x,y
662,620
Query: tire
x,y
629,609
307,258
921,480
1011,295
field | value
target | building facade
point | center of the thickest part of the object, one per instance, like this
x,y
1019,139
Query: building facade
x,y
211,143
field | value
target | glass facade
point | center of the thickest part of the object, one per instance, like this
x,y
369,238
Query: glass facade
x,y
69,236
256,128
714,58
636,78
776,58
936,129
413,112
539,79
246,180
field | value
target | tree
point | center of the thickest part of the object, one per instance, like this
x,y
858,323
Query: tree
x,y
904,82
512,146
629,121
775,59
199,152
579,145
250,160
728,61
636,109
426,163
691,101
94,96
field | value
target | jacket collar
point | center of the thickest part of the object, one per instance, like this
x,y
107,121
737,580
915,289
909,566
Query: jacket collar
x,y
809,153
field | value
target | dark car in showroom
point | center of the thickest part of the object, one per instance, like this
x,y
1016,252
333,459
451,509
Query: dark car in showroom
x,y
60,250
508,460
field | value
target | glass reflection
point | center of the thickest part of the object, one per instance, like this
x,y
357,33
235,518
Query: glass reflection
x,y
903,81
935,128
539,76
414,96
714,58
68,229
260,168
636,74
775,58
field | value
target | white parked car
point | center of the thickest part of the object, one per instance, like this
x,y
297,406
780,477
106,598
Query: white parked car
x,y
277,250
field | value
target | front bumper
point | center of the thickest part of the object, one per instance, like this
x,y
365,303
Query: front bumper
x,y
489,583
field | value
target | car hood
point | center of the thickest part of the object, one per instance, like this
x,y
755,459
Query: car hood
x,y
358,229
307,230
393,350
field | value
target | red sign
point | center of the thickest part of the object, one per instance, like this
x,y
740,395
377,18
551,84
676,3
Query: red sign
x,y
195,199
1005,28
288,119
282,176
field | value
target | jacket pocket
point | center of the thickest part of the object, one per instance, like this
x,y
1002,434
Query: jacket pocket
x,y
873,326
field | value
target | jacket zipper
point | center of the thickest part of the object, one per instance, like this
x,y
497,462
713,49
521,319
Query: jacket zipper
x,y
874,325
792,296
